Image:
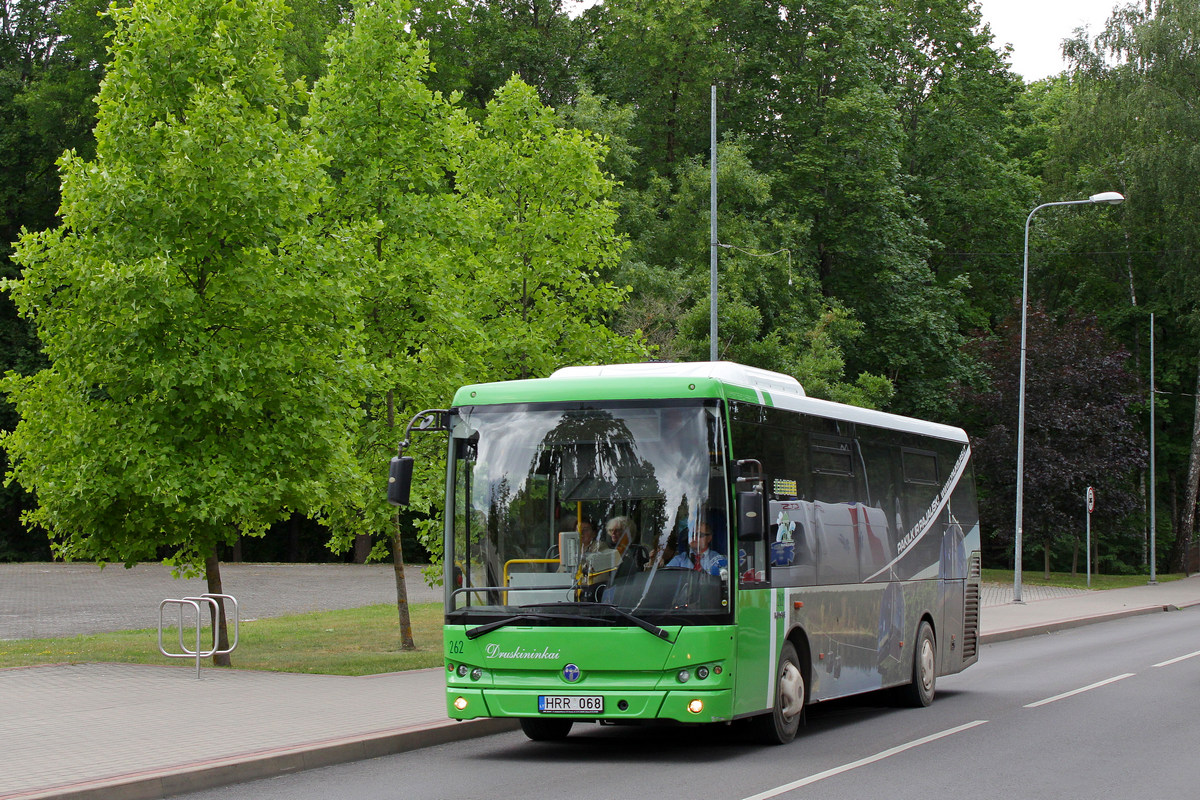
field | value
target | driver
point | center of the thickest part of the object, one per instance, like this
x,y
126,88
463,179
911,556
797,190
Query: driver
x,y
699,554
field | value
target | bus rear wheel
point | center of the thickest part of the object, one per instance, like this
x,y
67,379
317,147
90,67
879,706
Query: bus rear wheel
x,y
780,725
919,693
545,730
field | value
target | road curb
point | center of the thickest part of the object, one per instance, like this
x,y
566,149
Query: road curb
x,y
1066,624
239,769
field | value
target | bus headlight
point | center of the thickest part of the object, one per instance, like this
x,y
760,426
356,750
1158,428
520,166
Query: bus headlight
x,y
696,706
683,676
476,674
461,703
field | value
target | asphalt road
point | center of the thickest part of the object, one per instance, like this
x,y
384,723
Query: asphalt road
x,y
46,600
1106,711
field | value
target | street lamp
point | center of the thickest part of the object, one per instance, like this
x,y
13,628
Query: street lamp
x,y
1104,198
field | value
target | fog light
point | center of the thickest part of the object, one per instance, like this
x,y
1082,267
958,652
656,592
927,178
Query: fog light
x,y
684,676
476,674
462,670
702,673
461,703
696,706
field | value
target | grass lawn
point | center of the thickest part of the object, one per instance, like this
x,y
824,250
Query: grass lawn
x,y
1078,581
358,641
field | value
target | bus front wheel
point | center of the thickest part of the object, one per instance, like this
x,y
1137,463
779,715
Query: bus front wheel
x,y
545,730
920,692
780,725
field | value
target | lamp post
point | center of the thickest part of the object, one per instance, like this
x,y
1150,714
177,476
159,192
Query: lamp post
x,y
1104,198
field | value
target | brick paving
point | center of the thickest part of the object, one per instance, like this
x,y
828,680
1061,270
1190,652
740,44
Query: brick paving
x,y
998,594
65,725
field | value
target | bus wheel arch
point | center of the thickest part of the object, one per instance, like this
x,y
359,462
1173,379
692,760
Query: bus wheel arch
x,y
781,723
919,692
799,642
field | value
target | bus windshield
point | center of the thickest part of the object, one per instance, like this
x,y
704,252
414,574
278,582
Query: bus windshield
x,y
587,513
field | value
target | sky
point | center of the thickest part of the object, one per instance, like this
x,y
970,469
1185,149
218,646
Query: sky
x,y
1036,28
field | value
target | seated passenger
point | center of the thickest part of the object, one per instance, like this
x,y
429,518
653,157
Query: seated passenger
x,y
589,545
587,537
699,555
621,532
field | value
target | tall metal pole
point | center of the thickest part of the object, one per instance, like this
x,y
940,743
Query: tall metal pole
x,y
1105,197
1019,529
1153,529
1088,539
712,227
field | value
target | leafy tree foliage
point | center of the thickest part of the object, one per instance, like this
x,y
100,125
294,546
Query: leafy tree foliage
x,y
480,244
661,57
876,165
392,144
478,45
542,231
201,338
1079,431
844,109
1128,123
50,53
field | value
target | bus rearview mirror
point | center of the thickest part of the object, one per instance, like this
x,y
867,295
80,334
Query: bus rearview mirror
x,y
750,516
399,480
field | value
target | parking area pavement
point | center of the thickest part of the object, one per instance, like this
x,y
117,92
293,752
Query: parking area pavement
x,y
42,600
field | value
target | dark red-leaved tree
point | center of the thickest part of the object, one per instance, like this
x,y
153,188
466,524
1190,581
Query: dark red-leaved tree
x,y
1079,429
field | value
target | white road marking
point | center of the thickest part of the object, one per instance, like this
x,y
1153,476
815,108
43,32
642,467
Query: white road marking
x,y
862,762
1080,691
1176,660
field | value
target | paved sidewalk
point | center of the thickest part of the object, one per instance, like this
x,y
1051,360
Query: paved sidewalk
x,y
122,732
1045,609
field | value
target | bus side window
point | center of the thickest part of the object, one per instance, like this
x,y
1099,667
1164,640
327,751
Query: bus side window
x,y
752,561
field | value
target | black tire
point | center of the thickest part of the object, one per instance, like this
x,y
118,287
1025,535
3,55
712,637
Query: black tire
x,y
541,729
779,726
919,693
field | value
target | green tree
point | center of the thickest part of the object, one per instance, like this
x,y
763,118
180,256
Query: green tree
x,y
1129,124
539,233
393,144
50,57
819,116
956,100
311,23
201,338
771,311
479,44
662,57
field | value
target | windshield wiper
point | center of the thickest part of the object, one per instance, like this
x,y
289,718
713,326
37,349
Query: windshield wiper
x,y
480,630
649,627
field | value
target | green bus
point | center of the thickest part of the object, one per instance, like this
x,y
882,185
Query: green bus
x,y
696,542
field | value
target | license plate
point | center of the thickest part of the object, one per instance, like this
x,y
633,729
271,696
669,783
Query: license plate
x,y
570,704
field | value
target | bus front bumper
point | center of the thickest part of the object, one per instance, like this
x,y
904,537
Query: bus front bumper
x,y
679,705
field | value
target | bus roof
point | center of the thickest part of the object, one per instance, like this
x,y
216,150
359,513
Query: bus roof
x,y
695,379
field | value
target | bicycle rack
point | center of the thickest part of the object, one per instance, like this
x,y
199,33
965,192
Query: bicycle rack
x,y
210,601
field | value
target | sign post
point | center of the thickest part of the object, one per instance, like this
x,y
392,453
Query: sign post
x,y
1091,505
